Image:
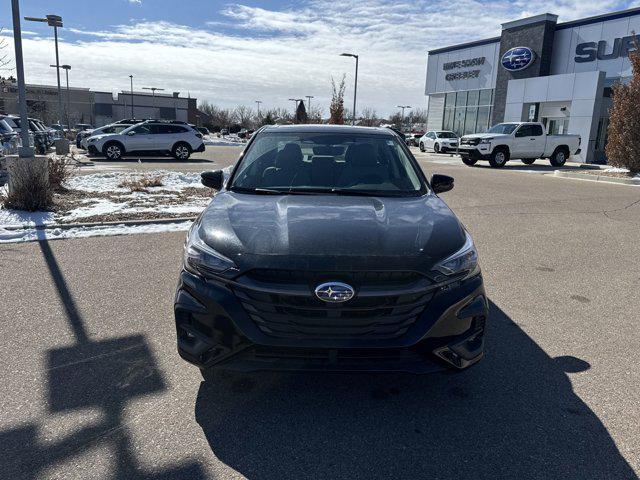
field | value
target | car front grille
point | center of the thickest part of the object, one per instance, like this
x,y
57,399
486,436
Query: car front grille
x,y
282,304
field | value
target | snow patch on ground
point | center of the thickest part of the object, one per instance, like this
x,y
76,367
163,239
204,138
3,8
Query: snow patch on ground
x,y
111,181
31,219
230,140
29,235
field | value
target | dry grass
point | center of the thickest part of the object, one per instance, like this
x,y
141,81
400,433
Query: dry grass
x,y
60,170
142,184
29,187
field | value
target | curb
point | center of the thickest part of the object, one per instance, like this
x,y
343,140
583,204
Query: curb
x,y
66,226
597,178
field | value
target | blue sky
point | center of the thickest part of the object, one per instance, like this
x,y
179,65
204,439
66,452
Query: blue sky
x,y
235,53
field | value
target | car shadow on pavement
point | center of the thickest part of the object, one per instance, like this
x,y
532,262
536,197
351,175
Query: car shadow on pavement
x,y
99,376
514,415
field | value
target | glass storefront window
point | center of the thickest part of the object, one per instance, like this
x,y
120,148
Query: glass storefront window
x,y
473,97
470,120
466,117
450,100
461,99
486,97
482,124
458,120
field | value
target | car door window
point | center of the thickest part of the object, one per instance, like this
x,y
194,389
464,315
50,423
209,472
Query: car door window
x,y
535,130
142,130
524,131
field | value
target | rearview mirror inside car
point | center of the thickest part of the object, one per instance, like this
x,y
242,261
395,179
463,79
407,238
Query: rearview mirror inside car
x,y
212,179
441,183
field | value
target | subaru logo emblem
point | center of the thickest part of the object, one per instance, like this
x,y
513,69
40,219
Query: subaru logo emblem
x,y
334,292
517,58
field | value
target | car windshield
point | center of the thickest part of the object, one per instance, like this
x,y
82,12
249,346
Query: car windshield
x,y
504,128
344,163
446,135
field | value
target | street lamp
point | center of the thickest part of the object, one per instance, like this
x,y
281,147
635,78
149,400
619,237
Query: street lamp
x,y
258,102
54,21
309,97
66,69
355,86
402,117
295,104
131,78
153,93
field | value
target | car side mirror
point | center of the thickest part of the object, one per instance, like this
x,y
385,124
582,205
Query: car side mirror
x,y
131,133
441,183
212,179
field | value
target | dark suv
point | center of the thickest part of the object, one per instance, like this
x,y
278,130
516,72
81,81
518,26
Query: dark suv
x,y
328,249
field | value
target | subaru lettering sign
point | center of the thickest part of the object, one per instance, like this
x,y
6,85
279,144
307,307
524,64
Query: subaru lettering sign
x,y
517,58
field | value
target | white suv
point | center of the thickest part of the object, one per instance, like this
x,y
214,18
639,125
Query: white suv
x,y
153,137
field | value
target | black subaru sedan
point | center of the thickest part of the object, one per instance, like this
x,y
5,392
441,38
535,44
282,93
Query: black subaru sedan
x,y
328,249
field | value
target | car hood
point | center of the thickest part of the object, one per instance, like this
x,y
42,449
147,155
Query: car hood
x,y
103,135
333,232
486,135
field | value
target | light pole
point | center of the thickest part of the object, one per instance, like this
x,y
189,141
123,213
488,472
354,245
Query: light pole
x,y
402,116
309,97
131,78
25,151
153,93
54,21
355,86
258,102
66,69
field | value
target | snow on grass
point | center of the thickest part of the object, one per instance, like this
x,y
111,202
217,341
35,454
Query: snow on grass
x,y
31,234
230,140
111,181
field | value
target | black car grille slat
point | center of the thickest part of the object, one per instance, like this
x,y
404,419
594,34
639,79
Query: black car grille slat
x,y
303,316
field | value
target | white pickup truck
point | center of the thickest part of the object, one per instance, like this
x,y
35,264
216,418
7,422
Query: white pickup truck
x,y
524,140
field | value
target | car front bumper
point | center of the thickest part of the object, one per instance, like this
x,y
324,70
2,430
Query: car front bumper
x,y
201,148
477,152
215,328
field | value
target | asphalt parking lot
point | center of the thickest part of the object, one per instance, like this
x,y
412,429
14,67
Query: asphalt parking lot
x,y
93,387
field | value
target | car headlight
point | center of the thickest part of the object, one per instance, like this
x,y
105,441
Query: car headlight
x,y
201,259
486,140
463,261
92,140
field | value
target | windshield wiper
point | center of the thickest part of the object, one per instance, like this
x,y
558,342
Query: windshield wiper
x,y
271,191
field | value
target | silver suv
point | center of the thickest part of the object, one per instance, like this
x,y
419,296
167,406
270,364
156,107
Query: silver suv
x,y
153,137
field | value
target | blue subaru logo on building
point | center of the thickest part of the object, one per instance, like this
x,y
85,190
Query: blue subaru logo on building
x,y
517,58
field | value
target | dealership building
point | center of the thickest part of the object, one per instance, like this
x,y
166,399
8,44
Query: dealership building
x,y
559,74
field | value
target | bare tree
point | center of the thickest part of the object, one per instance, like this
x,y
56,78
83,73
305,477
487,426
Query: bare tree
x,y
336,108
623,145
315,114
5,59
369,118
418,115
243,116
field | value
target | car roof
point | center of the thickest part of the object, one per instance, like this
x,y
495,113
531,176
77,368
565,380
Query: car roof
x,y
321,128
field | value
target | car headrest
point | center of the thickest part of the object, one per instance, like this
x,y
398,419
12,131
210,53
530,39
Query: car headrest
x,y
289,157
361,155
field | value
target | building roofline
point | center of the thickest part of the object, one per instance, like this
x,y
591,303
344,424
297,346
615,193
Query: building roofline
x,y
560,26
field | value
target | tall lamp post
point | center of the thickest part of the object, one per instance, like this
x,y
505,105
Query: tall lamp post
x,y
54,21
25,151
66,69
258,102
131,78
153,93
355,86
309,97
402,116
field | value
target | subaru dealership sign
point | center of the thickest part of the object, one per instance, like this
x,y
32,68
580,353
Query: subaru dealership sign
x,y
517,58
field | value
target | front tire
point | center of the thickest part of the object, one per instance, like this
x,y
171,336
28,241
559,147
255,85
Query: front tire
x,y
181,151
499,158
421,146
113,151
436,147
559,157
469,161
528,161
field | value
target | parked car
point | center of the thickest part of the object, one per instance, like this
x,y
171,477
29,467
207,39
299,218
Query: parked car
x,y
14,122
438,141
527,141
83,130
413,139
150,137
107,129
203,130
327,248
8,138
224,131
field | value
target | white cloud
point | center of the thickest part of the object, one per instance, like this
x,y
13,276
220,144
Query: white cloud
x,y
275,55
135,2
